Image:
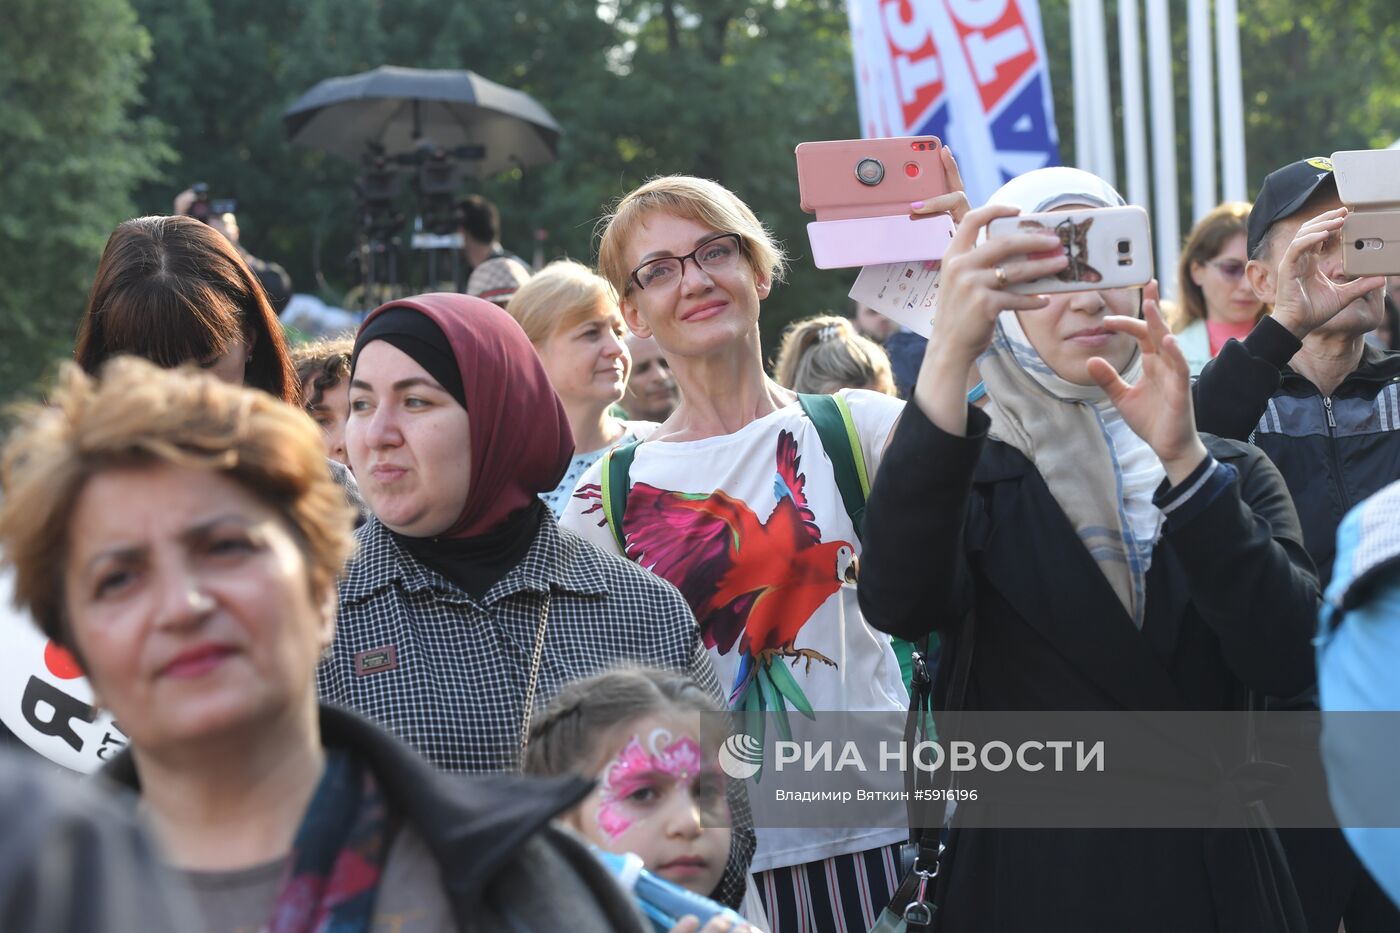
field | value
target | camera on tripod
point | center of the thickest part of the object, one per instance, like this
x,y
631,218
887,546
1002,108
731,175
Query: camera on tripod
x,y
202,208
437,182
375,192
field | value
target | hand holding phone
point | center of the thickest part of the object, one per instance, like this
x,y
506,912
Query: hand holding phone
x,y
861,191
1107,247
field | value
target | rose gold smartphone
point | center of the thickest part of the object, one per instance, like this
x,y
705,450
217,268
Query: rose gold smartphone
x,y
861,189
1108,247
1368,183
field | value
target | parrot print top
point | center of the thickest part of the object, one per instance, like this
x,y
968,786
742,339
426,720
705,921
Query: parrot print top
x,y
750,527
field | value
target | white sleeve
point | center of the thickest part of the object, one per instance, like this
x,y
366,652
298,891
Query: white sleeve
x,y
874,414
583,511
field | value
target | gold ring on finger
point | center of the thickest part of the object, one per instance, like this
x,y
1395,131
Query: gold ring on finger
x,y
1002,280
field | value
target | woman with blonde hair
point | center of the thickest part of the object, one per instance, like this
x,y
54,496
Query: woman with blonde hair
x,y
738,499
823,354
571,316
1216,300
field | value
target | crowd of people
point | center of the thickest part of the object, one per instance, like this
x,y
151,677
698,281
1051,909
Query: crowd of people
x,y
402,663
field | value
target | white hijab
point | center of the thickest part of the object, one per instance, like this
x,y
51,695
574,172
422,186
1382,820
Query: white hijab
x,y
1102,474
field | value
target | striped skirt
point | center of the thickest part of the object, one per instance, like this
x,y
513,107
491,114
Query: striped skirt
x,y
842,894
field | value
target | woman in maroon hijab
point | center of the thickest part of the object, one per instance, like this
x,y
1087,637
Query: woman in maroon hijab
x,y
466,607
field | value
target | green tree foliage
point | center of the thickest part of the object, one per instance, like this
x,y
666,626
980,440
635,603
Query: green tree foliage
x,y
722,88
69,74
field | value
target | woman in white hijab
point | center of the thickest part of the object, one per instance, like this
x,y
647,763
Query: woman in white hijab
x,y
1101,555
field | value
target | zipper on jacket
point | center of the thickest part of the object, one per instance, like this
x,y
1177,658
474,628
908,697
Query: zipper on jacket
x,y
1332,452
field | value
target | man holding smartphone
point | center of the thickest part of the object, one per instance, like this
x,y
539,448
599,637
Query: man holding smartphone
x,y
1307,389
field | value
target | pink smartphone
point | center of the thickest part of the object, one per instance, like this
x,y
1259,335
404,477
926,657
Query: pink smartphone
x,y
874,241
860,190
1108,247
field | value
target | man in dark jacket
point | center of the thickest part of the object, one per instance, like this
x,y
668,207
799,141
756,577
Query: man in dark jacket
x,y
1307,389
1304,386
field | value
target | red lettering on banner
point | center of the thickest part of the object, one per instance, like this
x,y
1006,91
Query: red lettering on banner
x,y
60,663
997,44
918,73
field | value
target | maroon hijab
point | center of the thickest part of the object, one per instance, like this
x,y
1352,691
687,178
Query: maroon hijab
x,y
520,438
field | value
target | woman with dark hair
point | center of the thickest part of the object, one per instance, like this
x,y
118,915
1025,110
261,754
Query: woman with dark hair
x,y
323,371
1216,300
173,290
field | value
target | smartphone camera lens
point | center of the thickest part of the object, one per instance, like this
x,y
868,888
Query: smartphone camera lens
x,y
1360,244
870,172
1124,247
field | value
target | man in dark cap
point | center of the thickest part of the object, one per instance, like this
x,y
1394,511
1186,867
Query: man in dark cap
x,y
1307,389
1304,386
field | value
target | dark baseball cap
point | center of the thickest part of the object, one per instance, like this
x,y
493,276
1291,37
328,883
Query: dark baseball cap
x,y
1284,191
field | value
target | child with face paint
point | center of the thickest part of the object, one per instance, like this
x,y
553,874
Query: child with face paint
x,y
660,794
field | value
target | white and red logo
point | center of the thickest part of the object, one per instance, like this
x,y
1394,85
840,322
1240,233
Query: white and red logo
x,y
44,699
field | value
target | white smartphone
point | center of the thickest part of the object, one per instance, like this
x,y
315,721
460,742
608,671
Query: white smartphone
x,y
1108,247
1368,183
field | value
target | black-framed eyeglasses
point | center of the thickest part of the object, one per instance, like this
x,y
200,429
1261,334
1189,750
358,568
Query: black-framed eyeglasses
x,y
717,254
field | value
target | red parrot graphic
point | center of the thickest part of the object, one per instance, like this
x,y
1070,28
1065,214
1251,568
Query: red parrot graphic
x,y
757,582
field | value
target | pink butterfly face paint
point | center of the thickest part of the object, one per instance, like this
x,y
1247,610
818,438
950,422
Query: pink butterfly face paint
x,y
644,771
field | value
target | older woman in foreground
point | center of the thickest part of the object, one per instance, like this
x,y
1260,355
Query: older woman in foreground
x,y
181,537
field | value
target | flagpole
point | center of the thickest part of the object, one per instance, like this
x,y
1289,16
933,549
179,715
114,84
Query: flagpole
x,y
1166,208
1134,132
1202,102
1105,157
1233,181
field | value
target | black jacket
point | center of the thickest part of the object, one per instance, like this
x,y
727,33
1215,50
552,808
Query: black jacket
x,y
503,866
70,862
1332,451
964,527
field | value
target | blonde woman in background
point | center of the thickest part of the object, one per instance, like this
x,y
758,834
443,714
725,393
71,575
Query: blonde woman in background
x,y
571,316
825,353
1216,302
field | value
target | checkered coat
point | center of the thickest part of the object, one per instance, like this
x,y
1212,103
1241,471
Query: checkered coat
x,y
448,673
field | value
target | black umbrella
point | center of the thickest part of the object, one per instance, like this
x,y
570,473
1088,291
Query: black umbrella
x,y
398,109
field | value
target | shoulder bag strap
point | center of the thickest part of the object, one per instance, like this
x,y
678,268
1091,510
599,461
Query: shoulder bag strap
x,y
617,469
831,417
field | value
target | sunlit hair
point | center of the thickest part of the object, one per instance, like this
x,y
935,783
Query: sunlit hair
x,y
559,296
321,365
824,353
568,736
135,414
174,290
1203,244
697,199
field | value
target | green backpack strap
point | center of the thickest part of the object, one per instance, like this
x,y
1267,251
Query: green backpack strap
x,y
831,417
617,467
